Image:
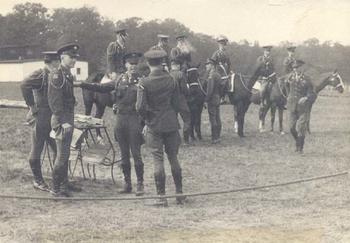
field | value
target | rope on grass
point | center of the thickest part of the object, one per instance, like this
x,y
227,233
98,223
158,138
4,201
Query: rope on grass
x,y
243,189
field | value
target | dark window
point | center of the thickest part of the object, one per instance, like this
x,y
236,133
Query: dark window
x,y
78,71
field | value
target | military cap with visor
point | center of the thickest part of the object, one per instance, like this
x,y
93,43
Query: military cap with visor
x,y
291,48
210,61
267,47
132,57
66,45
51,56
163,37
180,37
222,38
155,54
120,29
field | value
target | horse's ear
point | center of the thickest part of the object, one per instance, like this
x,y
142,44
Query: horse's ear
x,y
198,65
335,71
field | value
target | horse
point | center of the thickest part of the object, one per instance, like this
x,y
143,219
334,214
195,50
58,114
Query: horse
x,y
277,95
195,101
324,79
239,92
101,100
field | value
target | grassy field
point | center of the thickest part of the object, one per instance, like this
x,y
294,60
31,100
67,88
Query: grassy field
x,y
309,212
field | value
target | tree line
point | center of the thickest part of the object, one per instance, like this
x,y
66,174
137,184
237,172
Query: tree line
x,y
33,23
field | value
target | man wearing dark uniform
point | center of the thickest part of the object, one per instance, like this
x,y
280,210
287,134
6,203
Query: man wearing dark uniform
x,y
213,100
34,91
222,59
301,96
115,53
158,104
181,53
180,78
128,129
62,101
163,41
289,60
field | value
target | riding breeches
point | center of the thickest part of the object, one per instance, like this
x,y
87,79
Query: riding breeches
x,y
298,122
128,132
60,170
41,134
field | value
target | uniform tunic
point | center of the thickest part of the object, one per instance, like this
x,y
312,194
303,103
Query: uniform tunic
x,y
213,100
158,104
299,86
222,58
115,55
34,91
61,101
128,129
288,64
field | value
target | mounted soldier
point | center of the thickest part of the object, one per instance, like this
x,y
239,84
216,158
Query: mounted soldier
x,y
34,91
181,53
115,53
290,60
163,44
300,98
265,72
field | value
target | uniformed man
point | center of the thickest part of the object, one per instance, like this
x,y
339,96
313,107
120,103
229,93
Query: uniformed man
x,y
289,60
128,129
115,53
221,57
34,91
158,103
62,101
266,70
301,96
181,53
163,41
180,79
213,99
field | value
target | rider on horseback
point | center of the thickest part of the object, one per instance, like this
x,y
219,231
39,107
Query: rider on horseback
x,y
266,71
289,60
182,52
163,45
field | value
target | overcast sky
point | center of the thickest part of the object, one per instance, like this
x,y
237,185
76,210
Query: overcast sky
x,y
268,21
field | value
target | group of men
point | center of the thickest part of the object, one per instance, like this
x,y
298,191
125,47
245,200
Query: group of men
x,y
147,108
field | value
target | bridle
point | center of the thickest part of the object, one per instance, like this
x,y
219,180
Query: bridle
x,y
341,83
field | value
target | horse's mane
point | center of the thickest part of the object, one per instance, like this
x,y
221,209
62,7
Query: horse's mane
x,y
317,77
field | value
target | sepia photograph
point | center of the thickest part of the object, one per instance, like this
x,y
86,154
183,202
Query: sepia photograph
x,y
179,121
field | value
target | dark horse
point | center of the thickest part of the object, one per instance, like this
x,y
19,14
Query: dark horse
x,y
195,101
101,100
239,92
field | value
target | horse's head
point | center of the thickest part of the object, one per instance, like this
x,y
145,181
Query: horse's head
x,y
193,74
336,81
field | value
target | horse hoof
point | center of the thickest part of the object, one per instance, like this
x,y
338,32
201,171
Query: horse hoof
x,y
282,133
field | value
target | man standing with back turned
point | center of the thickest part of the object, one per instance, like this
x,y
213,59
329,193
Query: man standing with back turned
x,y
158,103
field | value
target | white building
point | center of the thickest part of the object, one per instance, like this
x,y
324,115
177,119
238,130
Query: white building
x,y
17,70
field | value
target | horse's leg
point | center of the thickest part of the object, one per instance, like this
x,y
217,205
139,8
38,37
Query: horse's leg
x,y
88,101
273,113
308,122
193,117
280,117
240,118
262,114
235,123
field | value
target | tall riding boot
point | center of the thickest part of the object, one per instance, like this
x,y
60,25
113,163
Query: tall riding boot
x,y
39,182
186,135
177,176
302,140
127,188
139,175
160,186
213,134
